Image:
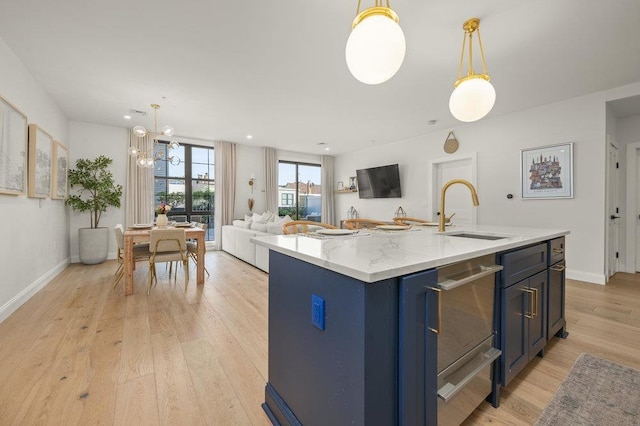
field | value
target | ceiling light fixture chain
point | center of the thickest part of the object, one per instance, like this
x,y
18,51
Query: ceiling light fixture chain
x,y
149,157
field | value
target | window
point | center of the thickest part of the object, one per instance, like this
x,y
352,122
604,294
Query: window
x,y
286,199
300,190
185,180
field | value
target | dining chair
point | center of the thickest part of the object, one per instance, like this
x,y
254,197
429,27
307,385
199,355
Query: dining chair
x,y
409,220
192,246
140,253
168,245
362,223
304,226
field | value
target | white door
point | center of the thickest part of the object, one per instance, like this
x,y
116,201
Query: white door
x,y
458,198
613,211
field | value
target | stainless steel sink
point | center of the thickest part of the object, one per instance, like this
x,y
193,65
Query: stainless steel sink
x,y
477,236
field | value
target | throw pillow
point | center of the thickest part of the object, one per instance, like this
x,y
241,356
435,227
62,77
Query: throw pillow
x,y
274,228
260,227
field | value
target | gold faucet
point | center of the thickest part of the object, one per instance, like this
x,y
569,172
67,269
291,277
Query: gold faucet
x,y
474,198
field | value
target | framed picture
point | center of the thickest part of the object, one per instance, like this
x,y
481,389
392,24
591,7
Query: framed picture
x,y
547,172
60,168
13,149
353,183
40,154
340,186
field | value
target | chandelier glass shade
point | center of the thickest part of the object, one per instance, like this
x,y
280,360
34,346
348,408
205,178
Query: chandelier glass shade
x,y
473,96
376,46
149,157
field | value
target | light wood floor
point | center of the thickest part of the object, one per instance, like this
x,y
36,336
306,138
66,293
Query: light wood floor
x,y
79,353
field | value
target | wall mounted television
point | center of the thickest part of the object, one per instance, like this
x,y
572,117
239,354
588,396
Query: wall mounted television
x,y
379,182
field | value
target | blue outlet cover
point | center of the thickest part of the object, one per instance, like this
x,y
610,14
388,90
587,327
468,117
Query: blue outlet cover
x,y
317,311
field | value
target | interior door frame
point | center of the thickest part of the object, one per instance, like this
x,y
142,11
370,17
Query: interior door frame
x,y
433,192
612,239
632,211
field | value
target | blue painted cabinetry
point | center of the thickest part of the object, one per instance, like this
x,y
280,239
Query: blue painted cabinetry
x,y
556,323
345,374
523,308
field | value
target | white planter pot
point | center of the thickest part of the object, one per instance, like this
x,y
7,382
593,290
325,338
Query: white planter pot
x,y
93,245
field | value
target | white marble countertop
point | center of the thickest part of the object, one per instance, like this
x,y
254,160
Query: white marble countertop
x,y
373,255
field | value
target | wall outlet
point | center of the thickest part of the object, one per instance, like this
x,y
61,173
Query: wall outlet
x,y
317,311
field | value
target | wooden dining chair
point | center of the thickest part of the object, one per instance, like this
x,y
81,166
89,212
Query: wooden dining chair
x,y
304,226
140,253
362,223
409,220
192,247
168,245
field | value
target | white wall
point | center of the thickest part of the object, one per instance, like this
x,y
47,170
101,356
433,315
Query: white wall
x,y
35,233
249,159
628,130
498,141
88,141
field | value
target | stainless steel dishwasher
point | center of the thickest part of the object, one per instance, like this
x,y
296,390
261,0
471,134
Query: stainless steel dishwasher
x,y
465,329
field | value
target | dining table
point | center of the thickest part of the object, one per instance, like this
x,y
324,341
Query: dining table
x,y
143,235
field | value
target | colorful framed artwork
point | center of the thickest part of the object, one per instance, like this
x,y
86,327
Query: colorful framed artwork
x,y
40,155
13,149
60,169
547,172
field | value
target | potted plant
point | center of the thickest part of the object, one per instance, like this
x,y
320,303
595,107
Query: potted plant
x,y
97,191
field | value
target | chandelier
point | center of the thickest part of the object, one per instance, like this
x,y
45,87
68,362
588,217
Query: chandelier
x,y
376,46
473,96
149,157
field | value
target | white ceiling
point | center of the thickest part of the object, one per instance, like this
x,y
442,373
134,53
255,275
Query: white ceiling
x,y
276,69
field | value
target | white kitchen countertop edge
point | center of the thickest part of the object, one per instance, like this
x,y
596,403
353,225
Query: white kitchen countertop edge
x,y
376,256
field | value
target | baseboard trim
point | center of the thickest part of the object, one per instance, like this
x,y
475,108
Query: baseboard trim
x,y
589,277
110,256
21,298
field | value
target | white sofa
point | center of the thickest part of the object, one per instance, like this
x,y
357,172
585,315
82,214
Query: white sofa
x,y
236,238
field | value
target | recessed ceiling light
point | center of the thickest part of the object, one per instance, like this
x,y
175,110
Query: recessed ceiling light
x,y
327,149
127,117
249,136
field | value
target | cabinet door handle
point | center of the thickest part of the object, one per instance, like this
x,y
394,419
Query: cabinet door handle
x,y
558,250
531,293
535,302
438,330
558,268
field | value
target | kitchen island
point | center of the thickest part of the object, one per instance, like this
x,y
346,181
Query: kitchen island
x,y
352,334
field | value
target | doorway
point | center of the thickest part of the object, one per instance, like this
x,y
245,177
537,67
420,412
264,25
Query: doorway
x,y
632,257
458,199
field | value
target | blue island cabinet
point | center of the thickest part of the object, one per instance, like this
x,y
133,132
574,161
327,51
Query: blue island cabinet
x,y
335,356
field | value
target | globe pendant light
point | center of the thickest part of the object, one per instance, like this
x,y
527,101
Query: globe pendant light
x,y
473,96
376,46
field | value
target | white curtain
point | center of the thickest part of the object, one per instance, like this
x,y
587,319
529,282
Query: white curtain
x,y
328,215
271,178
225,184
139,195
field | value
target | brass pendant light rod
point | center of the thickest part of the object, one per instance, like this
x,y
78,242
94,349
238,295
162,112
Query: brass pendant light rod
x,y
473,95
470,26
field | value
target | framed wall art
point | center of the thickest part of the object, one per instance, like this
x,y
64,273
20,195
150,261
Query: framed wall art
x,y
40,154
547,172
59,174
13,149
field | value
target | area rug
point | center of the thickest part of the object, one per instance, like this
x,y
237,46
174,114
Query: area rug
x,y
595,392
